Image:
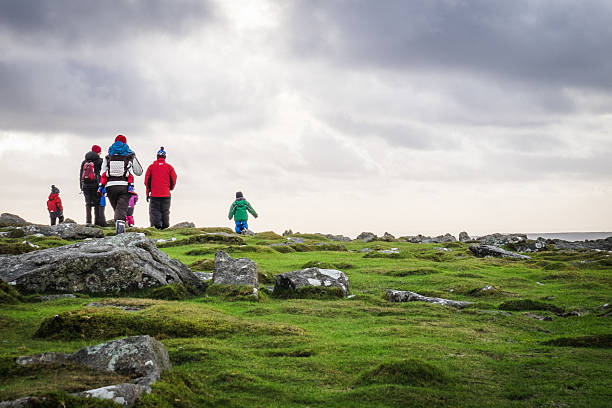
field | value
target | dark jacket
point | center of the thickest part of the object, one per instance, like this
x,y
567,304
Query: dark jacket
x,y
97,160
239,209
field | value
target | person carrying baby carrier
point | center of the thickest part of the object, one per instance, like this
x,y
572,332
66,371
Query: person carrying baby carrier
x,y
89,178
117,175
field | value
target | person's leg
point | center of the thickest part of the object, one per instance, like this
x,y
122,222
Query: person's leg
x,y
61,217
53,216
238,228
100,218
123,201
165,212
155,212
91,201
112,194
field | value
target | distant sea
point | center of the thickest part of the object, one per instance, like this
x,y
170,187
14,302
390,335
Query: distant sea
x,y
570,236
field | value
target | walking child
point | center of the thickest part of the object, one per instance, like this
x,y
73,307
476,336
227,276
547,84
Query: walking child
x,y
238,210
130,212
54,205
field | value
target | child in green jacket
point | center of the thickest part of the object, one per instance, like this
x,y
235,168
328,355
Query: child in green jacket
x,y
238,210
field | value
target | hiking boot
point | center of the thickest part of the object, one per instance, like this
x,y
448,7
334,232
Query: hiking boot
x,y
119,227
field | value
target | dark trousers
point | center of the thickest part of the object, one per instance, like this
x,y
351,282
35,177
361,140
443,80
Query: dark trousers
x,y
92,201
120,200
159,212
56,216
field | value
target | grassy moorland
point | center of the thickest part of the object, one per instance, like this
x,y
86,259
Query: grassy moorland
x,y
231,351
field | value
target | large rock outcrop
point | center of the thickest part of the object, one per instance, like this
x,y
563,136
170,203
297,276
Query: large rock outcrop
x,y
141,358
7,220
501,239
112,265
407,296
64,231
464,237
490,250
367,237
235,271
595,244
317,277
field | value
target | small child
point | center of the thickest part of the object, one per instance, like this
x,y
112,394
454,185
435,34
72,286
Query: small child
x,y
54,205
238,210
130,212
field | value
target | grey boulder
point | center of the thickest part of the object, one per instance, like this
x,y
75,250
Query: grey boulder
x,y
339,238
235,271
502,239
141,358
111,265
464,237
185,224
311,277
481,251
367,237
407,296
65,231
8,219
387,237
416,239
442,238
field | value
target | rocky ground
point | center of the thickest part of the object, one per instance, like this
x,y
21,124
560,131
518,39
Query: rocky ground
x,y
300,319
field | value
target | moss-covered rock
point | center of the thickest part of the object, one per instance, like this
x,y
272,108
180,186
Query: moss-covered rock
x,y
411,372
309,292
8,294
174,291
269,235
233,293
203,265
15,247
205,238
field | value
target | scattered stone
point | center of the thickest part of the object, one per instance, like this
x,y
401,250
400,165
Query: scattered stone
x,y
416,239
489,250
248,232
339,238
442,239
367,237
389,251
235,271
117,264
539,283
388,237
406,296
140,357
441,249
60,296
499,312
204,276
464,237
292,240
10,220
487,290
15,233
185,224
161,240
572,313
501,239
350,296
295,280
605,306
365,250
538,317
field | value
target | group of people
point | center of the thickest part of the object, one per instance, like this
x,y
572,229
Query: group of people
x,y
113,177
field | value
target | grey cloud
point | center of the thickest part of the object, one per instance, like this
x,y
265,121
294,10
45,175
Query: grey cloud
x,y
93,21
558,42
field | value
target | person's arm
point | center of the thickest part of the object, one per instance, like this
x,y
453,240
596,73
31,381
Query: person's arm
x,y
232,210
251,210
147,180
172,177
58,204
81,176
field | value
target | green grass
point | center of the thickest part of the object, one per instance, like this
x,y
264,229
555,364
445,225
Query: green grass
x,y
229,350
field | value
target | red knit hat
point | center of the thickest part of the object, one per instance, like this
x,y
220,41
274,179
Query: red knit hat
x,y
121,138
96,148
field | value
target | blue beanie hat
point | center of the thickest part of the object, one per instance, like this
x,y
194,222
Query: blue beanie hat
x,y
161,152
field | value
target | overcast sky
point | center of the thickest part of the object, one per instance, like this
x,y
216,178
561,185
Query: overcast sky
x,y
421,116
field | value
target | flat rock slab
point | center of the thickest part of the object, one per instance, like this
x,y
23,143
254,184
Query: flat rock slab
x,y
112,265
235,271
64,231
140,357
490,250
311,277
185,224
406,296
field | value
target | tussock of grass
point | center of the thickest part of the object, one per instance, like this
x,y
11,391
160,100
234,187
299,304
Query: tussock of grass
x,y
405,372
309,292
283,249
382,255
411,272
173,291
232,293
165,319
598,341
203,265
527,304
291,353
327,265
8,294
216,229
204,239
314,237
269,235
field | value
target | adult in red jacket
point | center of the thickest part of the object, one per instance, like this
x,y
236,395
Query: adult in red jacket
x,y
160,179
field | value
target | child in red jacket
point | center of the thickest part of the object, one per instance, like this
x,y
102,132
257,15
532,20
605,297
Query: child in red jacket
x,y
54,205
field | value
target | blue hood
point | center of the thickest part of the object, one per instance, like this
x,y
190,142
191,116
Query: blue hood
x,y
120,148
